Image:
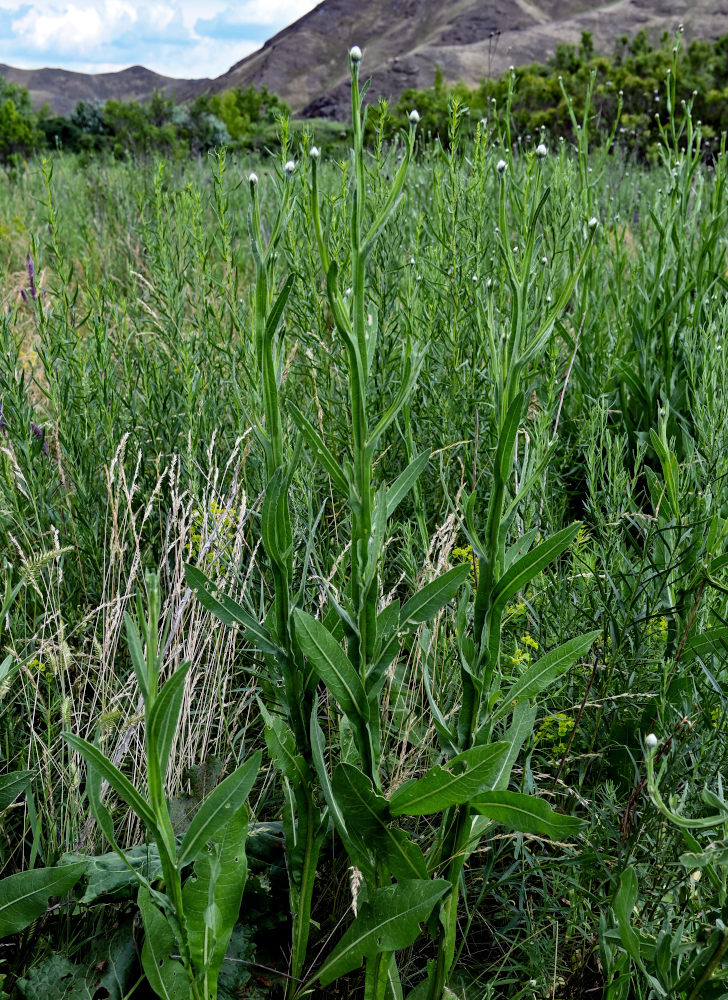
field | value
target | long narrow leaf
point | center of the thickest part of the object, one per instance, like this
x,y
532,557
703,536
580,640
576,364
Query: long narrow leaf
x,y
219,806
465,777
527,567
320,449
527,814
405,481
545,671
164,716
423,605
119,782
332,665
229,611
390,919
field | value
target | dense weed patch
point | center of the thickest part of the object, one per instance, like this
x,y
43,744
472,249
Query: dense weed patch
x,y
416,460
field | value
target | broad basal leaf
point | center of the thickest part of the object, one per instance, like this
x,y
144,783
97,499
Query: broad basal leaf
x,y
166,975
389,920
24,897
212,896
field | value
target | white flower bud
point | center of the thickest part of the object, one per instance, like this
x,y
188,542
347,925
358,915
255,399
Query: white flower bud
x,y
650,741
414,116
541,151
289,168
593,222
501,166
314,152
355,54
253,179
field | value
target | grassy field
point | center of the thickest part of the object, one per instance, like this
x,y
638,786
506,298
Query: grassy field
x,y
449,427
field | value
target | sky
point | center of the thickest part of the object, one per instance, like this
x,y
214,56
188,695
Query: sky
x,y
179,38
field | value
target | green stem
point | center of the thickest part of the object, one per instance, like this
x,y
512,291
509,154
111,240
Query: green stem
x,y
302,919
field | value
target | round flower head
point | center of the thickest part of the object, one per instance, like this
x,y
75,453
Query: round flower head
x,y
414,116
314,152
253,180
593,222
501,166
355,54
289,168
650,741
541,151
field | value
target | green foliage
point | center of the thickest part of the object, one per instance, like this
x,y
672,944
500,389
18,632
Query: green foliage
x,y
445,440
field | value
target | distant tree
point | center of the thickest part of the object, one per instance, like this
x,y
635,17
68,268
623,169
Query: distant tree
x,y
20,135
244,110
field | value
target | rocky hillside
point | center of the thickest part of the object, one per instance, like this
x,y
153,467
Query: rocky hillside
x,y
62,89
402,40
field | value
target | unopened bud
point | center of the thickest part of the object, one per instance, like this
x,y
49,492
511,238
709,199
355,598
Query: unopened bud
x,y
355,54
414,116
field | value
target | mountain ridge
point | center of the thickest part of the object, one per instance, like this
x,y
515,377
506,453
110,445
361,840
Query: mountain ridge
x,y
403,41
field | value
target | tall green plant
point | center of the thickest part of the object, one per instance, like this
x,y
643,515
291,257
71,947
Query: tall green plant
x,y
192,917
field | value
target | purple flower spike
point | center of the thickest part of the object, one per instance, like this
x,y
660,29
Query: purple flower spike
x,y
31,278
3,422
39,435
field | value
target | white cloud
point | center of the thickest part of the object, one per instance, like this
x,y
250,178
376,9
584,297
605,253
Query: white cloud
x,y
106,35
73,27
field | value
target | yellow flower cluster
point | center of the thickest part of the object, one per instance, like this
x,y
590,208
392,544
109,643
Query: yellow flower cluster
x,y
552,732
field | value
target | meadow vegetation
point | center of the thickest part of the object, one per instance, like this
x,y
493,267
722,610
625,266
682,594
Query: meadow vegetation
x,y
363,541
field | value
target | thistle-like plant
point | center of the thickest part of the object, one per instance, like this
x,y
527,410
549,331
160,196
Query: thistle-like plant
x,y
187,921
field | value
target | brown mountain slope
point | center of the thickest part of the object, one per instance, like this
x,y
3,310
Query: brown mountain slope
x,y
62,89
402,40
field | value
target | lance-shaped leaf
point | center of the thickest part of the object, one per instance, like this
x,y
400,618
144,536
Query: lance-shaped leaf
x,y
623,908
507,439
218,808
164,716
368,829
275,522
463,778
320,449
12,785
211,899
390,919
545,671
24,897
229,611
166,975
713,640
119,782
526,567
405,481
435,595
526,814
332,665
